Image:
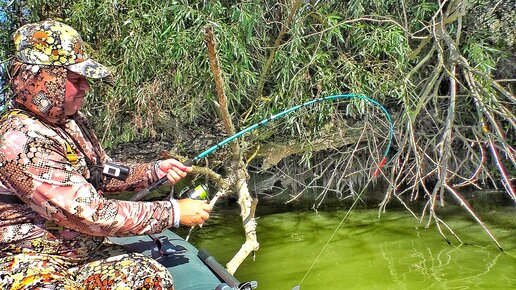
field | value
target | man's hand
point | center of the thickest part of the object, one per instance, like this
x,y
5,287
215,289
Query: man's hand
x,y
173,169
193,212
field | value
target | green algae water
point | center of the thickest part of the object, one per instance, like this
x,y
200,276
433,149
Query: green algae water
x,y
393,251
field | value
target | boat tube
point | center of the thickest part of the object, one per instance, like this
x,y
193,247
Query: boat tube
x,y
192,269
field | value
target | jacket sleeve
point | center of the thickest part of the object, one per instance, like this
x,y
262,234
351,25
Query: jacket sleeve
x,y
35,164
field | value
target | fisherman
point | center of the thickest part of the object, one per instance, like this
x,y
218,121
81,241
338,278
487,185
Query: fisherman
x,y
54,217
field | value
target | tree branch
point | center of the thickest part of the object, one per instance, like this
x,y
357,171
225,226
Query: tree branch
x,y
240,174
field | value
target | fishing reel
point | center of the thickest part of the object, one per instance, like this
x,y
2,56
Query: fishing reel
x,y
200,192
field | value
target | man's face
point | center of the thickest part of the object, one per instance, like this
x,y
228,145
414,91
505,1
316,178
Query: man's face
x,y
76,88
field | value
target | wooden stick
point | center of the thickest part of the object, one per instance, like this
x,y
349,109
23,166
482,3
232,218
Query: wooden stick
x,y
240,174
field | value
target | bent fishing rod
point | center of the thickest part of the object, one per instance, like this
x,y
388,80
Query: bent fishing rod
x,y
144,192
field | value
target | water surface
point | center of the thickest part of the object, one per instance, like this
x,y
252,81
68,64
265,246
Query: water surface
x,y
367,252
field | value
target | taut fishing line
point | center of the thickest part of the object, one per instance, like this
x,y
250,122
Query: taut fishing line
x,y
298,286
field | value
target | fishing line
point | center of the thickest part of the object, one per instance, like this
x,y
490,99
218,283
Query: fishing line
x,y
298,286
141,194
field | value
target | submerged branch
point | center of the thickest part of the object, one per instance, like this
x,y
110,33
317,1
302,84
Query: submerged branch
x,y
462,202
248,208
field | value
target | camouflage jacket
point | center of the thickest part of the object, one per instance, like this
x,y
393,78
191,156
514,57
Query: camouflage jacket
x,y
47,203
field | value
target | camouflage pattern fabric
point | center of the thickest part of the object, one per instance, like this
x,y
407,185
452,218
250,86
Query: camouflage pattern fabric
x,y
50,215
110,268
53,43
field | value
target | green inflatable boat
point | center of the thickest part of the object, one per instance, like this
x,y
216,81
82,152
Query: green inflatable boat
x,y
192,269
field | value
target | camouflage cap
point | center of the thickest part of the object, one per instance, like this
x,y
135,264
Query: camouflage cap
x,y
53,43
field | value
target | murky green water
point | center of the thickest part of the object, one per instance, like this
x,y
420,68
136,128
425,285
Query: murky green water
x,y
367,252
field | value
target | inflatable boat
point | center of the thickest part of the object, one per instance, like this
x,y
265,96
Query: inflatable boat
x,y
191,268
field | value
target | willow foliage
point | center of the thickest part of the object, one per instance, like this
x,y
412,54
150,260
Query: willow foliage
x,y
389,50
157,51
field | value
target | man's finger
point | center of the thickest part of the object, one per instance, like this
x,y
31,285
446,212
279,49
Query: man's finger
x,y
205,216
179,171
172,176
206,207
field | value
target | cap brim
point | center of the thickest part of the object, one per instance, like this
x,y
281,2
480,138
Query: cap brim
x,y
90,69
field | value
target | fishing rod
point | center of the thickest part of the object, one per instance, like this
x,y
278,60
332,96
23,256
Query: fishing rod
x,y
144,192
